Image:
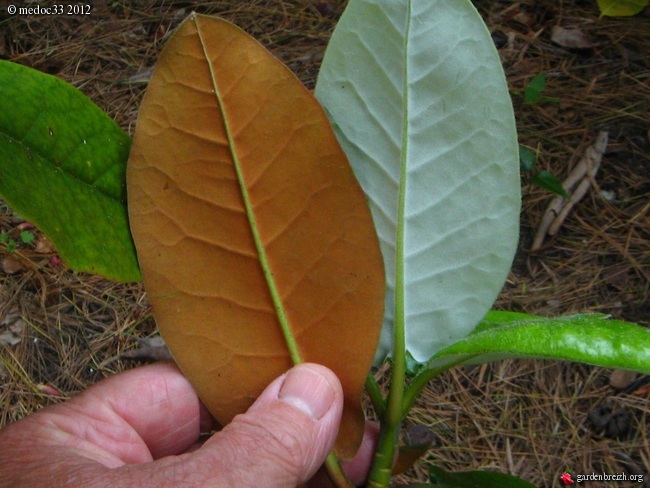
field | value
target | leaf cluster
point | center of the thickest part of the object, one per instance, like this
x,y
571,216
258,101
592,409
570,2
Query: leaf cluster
x,y
11,244
254,233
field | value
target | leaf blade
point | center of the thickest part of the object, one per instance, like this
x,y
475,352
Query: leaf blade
x,y
621,8
63,168
360,85
588,338
547,180
236,196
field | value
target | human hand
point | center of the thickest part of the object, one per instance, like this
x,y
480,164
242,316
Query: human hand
x,y
141,428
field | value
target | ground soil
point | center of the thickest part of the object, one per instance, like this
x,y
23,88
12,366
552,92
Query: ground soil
x,y
529,418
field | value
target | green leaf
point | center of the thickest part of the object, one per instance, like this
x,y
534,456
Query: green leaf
x,y
419,101
533,92
475,479
527,158
544,179
621,8
534,89
10,244
588,338
26,237
547,180
62,166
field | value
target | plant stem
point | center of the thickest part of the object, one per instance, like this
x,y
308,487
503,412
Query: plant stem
x,y
382,467
378,402
335,473
391,421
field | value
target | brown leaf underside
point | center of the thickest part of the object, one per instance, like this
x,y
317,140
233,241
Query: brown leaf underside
x,y
217,101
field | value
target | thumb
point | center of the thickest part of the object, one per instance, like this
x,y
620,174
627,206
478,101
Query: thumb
x,y
285,436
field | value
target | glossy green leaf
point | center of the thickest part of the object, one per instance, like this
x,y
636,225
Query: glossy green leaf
x,y
475,479
621,8
588,338
62,167
417,95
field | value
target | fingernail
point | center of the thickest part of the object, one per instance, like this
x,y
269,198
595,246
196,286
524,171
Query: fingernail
x,y
307,390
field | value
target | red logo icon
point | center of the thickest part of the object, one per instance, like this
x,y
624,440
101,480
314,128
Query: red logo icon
x,y
566,479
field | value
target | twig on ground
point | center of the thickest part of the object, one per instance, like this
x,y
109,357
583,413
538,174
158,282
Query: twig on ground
x,y
576,185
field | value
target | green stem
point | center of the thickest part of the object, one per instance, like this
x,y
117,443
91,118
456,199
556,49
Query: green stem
x,y
374,392
391,421
382,467
335,473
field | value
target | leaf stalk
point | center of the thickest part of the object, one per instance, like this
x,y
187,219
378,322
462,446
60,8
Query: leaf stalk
x,y
378,402
335,473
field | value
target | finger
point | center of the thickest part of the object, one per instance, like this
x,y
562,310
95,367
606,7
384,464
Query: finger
x,y
158,403
132,417
128,418
283,438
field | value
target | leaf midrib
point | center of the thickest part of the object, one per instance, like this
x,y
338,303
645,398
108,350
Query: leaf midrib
x,y
398,374
250,214
31,152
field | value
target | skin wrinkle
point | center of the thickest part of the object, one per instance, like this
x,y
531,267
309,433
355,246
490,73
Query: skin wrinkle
x,y
82,432
64,467
177,470
292,446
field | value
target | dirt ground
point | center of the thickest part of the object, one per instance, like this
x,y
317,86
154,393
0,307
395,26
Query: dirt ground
x,y
534,419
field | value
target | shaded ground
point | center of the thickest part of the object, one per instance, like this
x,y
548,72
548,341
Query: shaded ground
x,y
523,417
